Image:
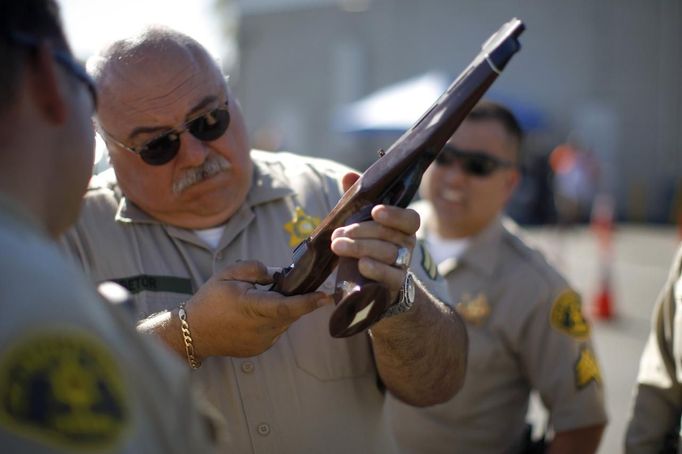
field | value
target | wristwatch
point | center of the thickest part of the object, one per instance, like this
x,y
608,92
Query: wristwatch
x,y
405,298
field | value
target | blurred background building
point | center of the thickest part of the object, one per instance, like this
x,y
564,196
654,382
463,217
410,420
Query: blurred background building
x,y
604,77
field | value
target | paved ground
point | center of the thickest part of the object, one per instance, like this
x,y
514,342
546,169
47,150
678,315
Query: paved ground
x,y
642,256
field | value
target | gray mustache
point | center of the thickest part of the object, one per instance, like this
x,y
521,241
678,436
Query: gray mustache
x,y
214,164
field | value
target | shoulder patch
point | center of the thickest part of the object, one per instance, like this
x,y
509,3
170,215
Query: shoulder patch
x,y
300,227
586,369
428,264
64,389
566,315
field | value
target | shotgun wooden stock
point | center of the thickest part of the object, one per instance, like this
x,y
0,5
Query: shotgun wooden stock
x,y
393,180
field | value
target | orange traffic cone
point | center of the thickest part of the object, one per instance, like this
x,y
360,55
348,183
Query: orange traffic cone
x,y
602,226
602,308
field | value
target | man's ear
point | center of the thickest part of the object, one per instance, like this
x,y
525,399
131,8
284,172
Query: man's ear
x,y
46,89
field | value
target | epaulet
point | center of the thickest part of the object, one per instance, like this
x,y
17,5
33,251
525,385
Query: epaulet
x,y
292,161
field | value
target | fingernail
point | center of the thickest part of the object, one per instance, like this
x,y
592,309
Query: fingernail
x,y
382,215
339,246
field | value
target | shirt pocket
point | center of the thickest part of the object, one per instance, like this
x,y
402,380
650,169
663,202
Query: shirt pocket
x,y
487,353
325,357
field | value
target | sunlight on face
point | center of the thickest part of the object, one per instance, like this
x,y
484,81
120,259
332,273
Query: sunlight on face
x,y
465,204
207,181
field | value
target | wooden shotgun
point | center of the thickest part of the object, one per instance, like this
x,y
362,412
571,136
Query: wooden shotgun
x,y
392,180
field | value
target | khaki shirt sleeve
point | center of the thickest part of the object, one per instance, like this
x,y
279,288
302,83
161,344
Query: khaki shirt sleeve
x,y
657,403
561,363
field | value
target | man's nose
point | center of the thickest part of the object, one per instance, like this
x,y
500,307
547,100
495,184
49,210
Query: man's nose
x,y
454,172
193,151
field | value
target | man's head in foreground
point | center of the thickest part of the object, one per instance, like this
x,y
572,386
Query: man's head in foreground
x,y
46,101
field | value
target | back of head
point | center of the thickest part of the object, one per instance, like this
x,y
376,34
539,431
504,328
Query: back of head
x,y
46,101
37,18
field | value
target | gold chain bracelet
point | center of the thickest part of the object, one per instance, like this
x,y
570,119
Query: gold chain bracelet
x,y
187,337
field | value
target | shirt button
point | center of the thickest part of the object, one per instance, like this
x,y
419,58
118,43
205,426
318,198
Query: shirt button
x,y
247,367
263,429
219,256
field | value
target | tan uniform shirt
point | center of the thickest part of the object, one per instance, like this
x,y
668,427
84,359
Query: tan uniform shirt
x,y
310,392
657,406
74,374
526,332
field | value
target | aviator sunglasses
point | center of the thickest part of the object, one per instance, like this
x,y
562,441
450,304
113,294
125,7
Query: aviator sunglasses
x,y
162,149
474,163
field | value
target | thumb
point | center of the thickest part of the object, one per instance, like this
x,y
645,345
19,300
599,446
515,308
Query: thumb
x,y
246,271
348,180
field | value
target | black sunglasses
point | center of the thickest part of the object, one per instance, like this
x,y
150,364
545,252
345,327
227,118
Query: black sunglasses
x,y
476,163
62,57
162,149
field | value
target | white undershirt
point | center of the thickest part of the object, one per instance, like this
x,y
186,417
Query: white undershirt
x,y
211,236
442,249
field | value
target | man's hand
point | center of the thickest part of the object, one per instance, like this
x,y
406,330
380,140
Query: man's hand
x,y
230,316
406,346
375,243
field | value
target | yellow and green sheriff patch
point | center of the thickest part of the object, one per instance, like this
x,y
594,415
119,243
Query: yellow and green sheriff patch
x,y
300,227
567,317
63,389
586,369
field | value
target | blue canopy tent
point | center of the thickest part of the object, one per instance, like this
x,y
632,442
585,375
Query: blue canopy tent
x,y
393,109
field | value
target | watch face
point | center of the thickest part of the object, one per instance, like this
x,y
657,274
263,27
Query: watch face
x,y
409,288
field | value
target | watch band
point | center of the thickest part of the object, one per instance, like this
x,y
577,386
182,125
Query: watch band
x,y
405,298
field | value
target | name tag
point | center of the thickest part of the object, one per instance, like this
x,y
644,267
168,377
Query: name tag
x,y
148,283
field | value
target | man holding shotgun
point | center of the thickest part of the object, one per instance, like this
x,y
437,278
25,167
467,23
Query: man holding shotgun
x,y
189,217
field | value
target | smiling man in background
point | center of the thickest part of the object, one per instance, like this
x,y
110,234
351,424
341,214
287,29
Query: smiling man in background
x,y
525,323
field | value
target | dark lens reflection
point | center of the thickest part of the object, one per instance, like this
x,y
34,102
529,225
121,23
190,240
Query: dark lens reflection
x,y
206,128
474,163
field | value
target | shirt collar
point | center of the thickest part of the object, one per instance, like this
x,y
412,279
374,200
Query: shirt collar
x,y
267,184
483,251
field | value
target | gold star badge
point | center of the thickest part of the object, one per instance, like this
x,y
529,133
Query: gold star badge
x,y
474,310
300,227
586,369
